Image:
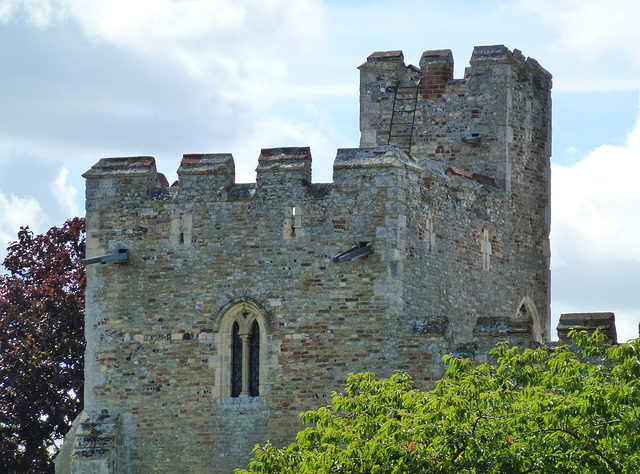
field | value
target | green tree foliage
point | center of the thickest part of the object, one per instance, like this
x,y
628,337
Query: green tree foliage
x,y
41,344
532,411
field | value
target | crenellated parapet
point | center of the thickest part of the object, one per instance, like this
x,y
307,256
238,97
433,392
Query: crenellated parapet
x,y
123,177
436,68
212,176
205,176
499,60
480,123
284,166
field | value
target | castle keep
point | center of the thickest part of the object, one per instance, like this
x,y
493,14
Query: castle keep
x,y
217,312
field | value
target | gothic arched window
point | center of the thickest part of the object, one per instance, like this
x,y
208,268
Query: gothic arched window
x,y
527,312
242,351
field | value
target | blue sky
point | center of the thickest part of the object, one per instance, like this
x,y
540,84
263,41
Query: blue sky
x,y
87,79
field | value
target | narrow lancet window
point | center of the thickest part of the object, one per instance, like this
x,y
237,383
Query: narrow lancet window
x,y
236,361
254,360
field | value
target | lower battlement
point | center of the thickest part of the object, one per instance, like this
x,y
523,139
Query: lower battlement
x,y
288,168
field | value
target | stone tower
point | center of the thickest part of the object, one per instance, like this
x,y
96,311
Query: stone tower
x,y
217,312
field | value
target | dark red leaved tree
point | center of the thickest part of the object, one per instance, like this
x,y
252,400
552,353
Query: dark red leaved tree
x,y
41,344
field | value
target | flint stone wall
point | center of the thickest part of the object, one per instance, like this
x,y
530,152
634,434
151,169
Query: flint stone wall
x,y
459,261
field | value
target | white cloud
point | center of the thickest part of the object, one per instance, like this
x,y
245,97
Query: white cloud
x,y
7,8
16,212
65,194
39,12
627,325
241,48
142,22
591,28
595,205
594,234
587,44
36,212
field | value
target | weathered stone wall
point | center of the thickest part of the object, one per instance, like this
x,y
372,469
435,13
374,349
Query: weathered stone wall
x,y
495,125
458,262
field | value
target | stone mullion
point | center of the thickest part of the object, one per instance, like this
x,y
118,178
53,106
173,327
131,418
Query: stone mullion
x,y
245,365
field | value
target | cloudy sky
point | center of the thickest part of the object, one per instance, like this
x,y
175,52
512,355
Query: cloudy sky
x,y
85,79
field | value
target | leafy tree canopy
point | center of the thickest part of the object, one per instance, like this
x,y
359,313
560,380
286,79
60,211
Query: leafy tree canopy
x,y
532,411
41,344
